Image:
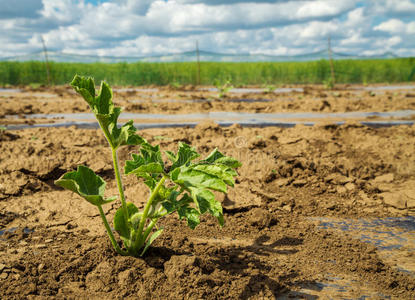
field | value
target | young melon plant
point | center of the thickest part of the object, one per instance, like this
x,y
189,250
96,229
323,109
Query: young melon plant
x,y
223,88
183,184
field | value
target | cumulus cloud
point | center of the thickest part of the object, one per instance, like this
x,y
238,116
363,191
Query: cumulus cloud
x,y
222,2
395,26
139,7
145,27
393,7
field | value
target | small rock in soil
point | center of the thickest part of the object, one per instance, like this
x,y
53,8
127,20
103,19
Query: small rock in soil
x,y
350,186
341,190
299,182
40,267
394,199
261,218
126,277
384,178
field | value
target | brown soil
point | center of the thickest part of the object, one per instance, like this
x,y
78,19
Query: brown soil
x,y
62,99
271,245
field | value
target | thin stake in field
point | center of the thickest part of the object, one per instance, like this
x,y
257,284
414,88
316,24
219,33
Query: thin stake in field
x,y
333,78
198,62
45,51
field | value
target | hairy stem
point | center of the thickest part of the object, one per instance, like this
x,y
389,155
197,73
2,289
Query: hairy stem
x,y
139,241
116,171
120,186
109,231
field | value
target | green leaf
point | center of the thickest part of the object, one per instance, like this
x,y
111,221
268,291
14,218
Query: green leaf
x,y
135,219
148,168
85,183
151,240
149,165
190,177
106,113
185,154
104,106
214,155
190,214
217,157
206,202
133,138
183,209
85,87
229,161
221,171
171,156
171,203
123,229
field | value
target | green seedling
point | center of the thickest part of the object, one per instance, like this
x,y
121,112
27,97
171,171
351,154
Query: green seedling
x,y
35,85
269,89
329,83
223,88
184,184
161,138
176,85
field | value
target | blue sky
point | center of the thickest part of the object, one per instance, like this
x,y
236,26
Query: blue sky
x,y
146,27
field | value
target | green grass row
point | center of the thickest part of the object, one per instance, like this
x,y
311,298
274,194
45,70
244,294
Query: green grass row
x,y
259,73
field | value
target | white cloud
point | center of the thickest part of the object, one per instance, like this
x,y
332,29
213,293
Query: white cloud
x,y
392,26
145,27
395,26
393,7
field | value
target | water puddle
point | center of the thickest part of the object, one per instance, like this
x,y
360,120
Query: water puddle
x,y
256,90
386,88
393,237
243,100
95,125
5,90
395,241
13,229
231,116
124,90
335,287
142,121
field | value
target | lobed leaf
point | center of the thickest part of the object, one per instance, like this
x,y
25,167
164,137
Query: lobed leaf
x,y
190,214
106,113
191,177
206,202
85,87
148,165
85,183
215,172
217,157
184,155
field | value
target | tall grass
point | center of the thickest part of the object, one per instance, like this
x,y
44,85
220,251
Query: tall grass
x,y
347,71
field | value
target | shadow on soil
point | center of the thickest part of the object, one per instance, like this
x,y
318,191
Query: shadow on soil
x,y
245,261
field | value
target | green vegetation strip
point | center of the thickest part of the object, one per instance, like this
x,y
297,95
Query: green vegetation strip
x,y
259,73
